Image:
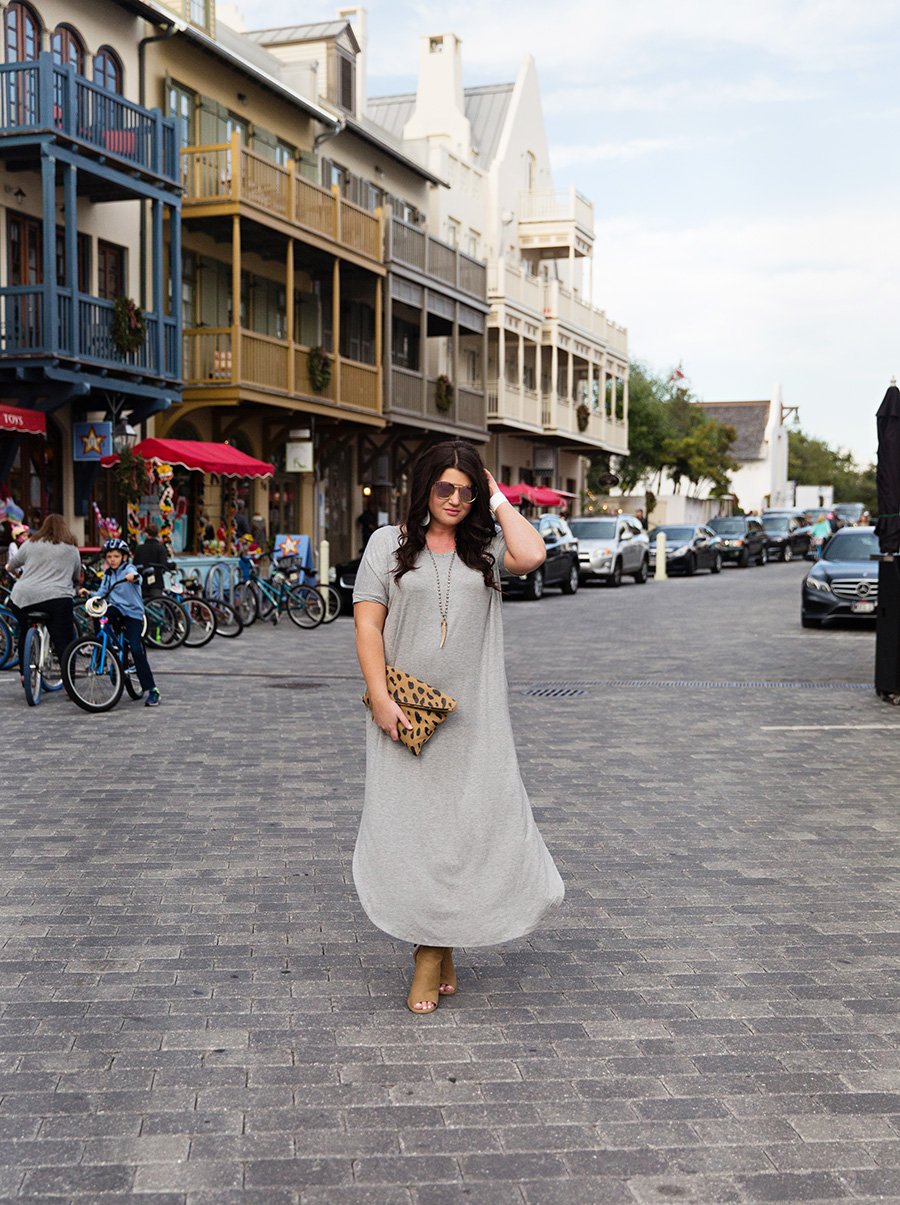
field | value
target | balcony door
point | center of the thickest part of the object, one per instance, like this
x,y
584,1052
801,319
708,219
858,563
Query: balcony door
x,y
25,257
22,38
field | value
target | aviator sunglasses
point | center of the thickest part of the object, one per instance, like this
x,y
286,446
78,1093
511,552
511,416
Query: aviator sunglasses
x,y
446,489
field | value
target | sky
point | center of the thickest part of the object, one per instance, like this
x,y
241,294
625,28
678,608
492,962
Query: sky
x,y
742,158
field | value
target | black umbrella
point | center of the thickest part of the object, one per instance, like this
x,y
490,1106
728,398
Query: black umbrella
x,y
887,628
888,472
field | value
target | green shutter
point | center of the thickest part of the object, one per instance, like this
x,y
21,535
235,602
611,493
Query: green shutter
x,y
308,165
264,143
213,122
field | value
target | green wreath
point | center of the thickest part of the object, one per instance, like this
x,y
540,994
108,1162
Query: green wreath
x,y
318,366
583,415
129,326
443,393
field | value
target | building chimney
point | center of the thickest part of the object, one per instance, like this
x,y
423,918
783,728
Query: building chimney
x,y
440,110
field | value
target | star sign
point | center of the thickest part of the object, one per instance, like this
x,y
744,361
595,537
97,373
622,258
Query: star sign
x,y
290,547
92,442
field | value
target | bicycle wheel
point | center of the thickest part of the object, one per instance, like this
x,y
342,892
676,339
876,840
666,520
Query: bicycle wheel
x,y
333,602
92,675
32,658
228,622
202,622
246,603
218,581
51,674
167,623
129,672
7,645
264,605
305,606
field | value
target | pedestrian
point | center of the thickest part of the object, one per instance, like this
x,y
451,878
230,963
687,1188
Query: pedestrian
x,y
154,556
121,585
368,521
241,522
639,515
48,570
448,853
819,533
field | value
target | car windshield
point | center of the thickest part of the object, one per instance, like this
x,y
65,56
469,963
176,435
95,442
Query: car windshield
x,y
776,522
849,510
594,529
728,527
679,534
850,546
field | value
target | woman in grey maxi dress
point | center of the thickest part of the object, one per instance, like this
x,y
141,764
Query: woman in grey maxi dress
x,y
448,853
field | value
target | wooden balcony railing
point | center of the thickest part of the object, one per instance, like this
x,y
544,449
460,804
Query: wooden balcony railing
x,y
409,245
226,356
407,396
36,321
40,95
229,172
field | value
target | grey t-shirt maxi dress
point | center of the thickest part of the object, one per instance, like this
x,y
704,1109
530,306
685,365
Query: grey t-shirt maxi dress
x,y
448,853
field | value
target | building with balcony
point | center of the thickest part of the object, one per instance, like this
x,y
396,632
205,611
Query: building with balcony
x,y
557,367
89,185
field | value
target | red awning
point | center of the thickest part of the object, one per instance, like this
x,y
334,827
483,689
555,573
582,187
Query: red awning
x,y
540,495
221,459
31,422
510,493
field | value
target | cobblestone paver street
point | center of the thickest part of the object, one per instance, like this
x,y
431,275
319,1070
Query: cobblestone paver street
x,y
195,1010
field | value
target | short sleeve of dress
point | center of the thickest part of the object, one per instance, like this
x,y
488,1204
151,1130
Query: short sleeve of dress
x,y
373,578
497,548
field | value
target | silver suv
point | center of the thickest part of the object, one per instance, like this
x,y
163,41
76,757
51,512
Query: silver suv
x,y
610,547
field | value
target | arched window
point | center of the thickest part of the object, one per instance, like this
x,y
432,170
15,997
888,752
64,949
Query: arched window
x,y
108,70
68,48
530,172
23,33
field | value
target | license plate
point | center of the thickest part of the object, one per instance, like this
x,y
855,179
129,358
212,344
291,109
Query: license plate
x,y
862,607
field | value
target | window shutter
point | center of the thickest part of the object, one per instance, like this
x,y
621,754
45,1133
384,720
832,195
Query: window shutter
x,y
308,165
213,122
264,143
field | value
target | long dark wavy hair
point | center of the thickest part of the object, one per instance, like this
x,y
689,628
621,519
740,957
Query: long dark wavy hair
x,y
473,534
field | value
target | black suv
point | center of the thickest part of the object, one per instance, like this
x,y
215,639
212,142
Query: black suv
x,y
559,569
743,539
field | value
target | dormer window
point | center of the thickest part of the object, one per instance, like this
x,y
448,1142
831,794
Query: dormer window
x,y
347,83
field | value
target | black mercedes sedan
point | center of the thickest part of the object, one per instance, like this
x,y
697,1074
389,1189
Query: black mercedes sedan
x,y
689,547
843,582
787,536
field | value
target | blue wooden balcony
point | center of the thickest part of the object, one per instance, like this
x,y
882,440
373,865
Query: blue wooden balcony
x,y
112,137
38,324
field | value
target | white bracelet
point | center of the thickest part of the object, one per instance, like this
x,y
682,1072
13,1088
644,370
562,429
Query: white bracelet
x,y
496,499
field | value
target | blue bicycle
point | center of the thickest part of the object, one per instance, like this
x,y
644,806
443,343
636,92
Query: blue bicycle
x,y
97,669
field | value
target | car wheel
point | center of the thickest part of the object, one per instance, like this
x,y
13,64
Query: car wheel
x,y
744,559
690,565
763,556
570,585
535,588
615,578
807,622
643,573
787,553
716,566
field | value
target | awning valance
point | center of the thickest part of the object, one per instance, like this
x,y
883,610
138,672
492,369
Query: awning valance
x,y
221,459
24,422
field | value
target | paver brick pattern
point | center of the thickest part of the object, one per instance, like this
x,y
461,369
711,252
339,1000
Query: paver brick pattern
x,y
196,1011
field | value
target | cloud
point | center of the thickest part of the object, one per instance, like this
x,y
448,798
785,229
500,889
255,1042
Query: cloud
x,y
632,148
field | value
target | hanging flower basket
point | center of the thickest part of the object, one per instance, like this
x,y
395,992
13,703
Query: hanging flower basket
x,y
318,366
583,415
443,393
129,326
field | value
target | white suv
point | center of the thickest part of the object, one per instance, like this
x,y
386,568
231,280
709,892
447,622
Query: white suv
x,y
610,547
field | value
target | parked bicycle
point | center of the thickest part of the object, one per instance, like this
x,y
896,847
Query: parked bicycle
x,y
269,598
97,669
228,621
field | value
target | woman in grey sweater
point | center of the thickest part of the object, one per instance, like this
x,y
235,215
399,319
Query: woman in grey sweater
x,y
48,569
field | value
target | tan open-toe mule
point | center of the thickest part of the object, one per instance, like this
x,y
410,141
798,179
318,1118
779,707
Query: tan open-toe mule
x,y
426,982
448,974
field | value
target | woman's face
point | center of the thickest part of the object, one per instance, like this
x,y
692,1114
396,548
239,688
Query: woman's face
x,y
450,511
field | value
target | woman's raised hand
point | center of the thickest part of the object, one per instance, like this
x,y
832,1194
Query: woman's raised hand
x,y
387,715
492,484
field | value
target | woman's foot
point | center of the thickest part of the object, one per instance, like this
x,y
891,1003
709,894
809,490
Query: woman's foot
x,y
448,973
425,991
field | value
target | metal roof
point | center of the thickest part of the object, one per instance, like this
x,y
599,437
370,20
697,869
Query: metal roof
x,y
288,34
749,419
486,109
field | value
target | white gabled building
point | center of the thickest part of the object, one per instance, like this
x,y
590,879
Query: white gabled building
x,y
557,368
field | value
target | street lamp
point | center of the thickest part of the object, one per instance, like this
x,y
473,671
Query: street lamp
x,y
124,437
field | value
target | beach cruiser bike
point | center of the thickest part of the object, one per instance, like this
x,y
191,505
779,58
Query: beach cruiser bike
x,y
42,670
97,669
268,598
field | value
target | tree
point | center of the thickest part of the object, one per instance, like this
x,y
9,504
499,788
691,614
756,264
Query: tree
x,y
812,461
647,432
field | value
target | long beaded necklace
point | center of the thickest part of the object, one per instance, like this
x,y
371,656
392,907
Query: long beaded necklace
x,y
443,606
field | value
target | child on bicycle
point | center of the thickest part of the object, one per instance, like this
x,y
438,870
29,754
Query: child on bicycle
x,y
122,587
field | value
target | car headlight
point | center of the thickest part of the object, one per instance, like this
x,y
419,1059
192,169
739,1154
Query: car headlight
x,y
332,574
680,551
819,583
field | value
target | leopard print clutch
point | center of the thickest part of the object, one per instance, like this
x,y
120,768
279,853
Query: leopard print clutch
x,y
423,705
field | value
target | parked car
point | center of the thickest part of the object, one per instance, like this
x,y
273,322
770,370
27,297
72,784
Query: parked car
x,y
343,578
743,539
610,547
850,512
689,547
787,535
843,581
559,569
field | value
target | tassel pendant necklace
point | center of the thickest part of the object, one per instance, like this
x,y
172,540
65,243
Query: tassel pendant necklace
x,y
443,604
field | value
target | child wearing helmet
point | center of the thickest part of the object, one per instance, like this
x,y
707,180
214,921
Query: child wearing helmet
x,y
122,586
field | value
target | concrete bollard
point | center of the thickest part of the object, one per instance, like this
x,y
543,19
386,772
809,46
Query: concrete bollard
x,y
660,575
324,562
